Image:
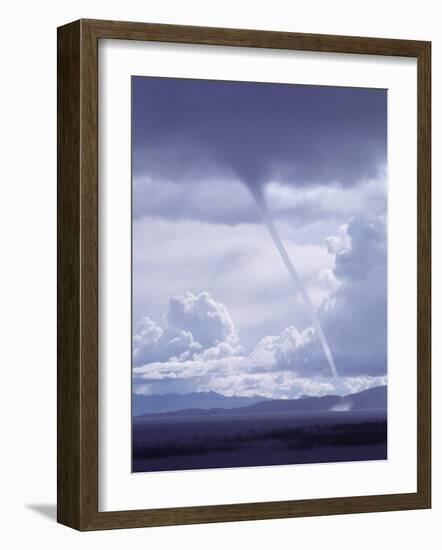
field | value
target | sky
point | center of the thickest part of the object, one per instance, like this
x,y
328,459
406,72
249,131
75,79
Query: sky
x,y
214,307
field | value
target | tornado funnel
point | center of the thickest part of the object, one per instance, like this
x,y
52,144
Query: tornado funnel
x,y
263,209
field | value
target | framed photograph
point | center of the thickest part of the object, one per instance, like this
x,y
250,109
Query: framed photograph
x,y
243,275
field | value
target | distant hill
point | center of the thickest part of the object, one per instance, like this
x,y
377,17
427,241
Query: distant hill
x,y
371,399
153,404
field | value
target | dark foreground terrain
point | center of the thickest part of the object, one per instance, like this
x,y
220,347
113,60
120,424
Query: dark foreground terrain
x,y
195,439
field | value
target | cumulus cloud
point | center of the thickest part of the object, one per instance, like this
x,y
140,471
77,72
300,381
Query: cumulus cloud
x,y
196,326
152,343
207,320
198,347
284,351
354,317
363,250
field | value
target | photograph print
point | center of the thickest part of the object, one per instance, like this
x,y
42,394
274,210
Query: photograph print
x,y
259,274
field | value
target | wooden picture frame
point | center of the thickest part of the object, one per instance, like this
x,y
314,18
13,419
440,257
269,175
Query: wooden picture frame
x,y
77,461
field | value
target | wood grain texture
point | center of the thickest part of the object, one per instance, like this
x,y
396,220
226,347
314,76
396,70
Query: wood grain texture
x,y
77,217
68,276
424,274
252,38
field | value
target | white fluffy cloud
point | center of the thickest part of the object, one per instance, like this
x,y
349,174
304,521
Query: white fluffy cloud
x,y
196,326
207,320
362,249
354,317
198,347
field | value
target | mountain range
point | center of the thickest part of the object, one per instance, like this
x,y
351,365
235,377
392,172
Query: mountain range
x,y
204,403
152,404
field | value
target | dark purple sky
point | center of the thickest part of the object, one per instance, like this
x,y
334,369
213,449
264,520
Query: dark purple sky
x,y
298,135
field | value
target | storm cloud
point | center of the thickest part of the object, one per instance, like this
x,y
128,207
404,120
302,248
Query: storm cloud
x,y
188,131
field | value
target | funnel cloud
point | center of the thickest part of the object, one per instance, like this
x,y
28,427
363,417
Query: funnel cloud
x,y
261,204
220,166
